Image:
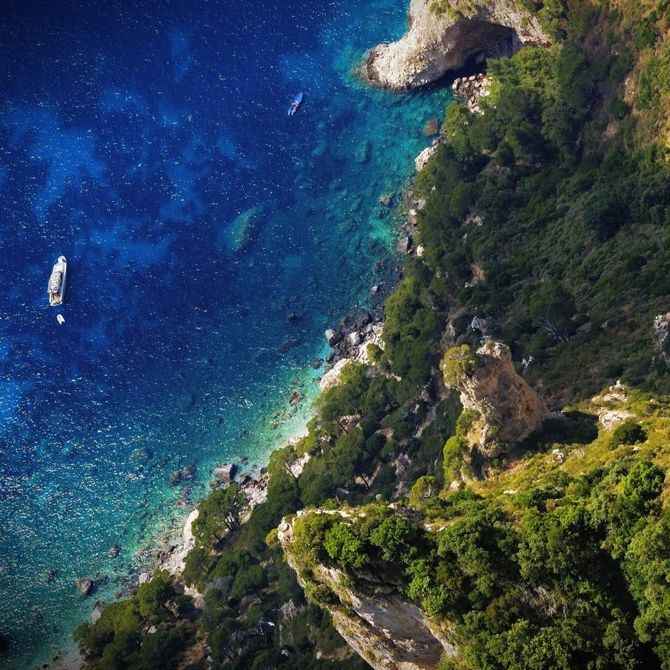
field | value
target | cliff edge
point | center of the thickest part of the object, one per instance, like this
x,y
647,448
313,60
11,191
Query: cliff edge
x,y
377,621
440,39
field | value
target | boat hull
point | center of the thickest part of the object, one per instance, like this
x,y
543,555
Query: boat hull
x,y
295,103
57,282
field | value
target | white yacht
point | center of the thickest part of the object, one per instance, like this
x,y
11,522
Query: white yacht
x,y
57,282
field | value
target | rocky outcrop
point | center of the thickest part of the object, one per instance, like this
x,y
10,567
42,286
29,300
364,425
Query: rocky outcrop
x,y
85,586
375,619
471,89
662,336
443,37
425,156
502,407
611,406
350,343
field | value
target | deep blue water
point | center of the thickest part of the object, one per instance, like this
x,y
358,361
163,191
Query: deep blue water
x,y
131,137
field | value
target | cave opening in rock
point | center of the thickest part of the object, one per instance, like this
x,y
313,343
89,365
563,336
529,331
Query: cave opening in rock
x,y
481,41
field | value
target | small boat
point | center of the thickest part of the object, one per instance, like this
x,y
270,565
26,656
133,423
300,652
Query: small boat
x,y
60,318
57,281
295,103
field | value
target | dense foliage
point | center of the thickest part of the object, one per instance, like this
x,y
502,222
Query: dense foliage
x,y
558,581
149,630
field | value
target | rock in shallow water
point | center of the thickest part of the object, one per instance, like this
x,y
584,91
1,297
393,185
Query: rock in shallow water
x,y
85,586
225,473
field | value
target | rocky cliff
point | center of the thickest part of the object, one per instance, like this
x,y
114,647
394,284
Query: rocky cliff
x,y
441,39
503,408
375,619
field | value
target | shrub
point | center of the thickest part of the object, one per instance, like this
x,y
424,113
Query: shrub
x,y
627,433
424,489
457,364
454,449
345,547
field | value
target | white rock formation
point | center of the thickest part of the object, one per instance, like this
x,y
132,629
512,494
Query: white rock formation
x,y
436,43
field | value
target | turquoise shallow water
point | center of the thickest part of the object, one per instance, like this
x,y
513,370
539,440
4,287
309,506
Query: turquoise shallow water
x,y
132,141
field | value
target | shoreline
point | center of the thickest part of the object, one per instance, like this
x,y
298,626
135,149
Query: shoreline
x,y
357,329
354,332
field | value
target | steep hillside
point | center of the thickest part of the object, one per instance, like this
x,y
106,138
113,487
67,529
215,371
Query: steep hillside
x,y
561,561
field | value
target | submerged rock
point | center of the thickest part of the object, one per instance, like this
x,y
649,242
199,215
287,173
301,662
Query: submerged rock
x,y
186,473
237,234
288,344
363,151
431,128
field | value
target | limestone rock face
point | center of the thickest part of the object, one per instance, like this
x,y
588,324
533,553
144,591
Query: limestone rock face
x,y
424,157
436,43
377,622
507,408
662,336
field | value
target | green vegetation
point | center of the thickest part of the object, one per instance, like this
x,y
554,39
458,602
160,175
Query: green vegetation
x,y
627,433
573,244
458,363
116,640
570,574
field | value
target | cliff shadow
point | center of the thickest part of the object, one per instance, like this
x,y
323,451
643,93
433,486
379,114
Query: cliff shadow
x,y
486,41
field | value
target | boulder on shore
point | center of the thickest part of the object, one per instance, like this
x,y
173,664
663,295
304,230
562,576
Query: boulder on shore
x,y
424,157
97,611
225,473
333,336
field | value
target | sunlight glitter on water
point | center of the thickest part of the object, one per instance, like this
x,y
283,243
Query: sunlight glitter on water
x,y
174,349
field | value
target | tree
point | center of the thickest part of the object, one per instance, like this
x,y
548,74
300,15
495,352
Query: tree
x,y
425,488
458,363
219,513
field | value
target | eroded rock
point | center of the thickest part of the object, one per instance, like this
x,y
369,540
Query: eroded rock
x,y
378,623
504,408
438,42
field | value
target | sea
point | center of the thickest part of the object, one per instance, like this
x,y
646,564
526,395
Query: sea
x,y
210,240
